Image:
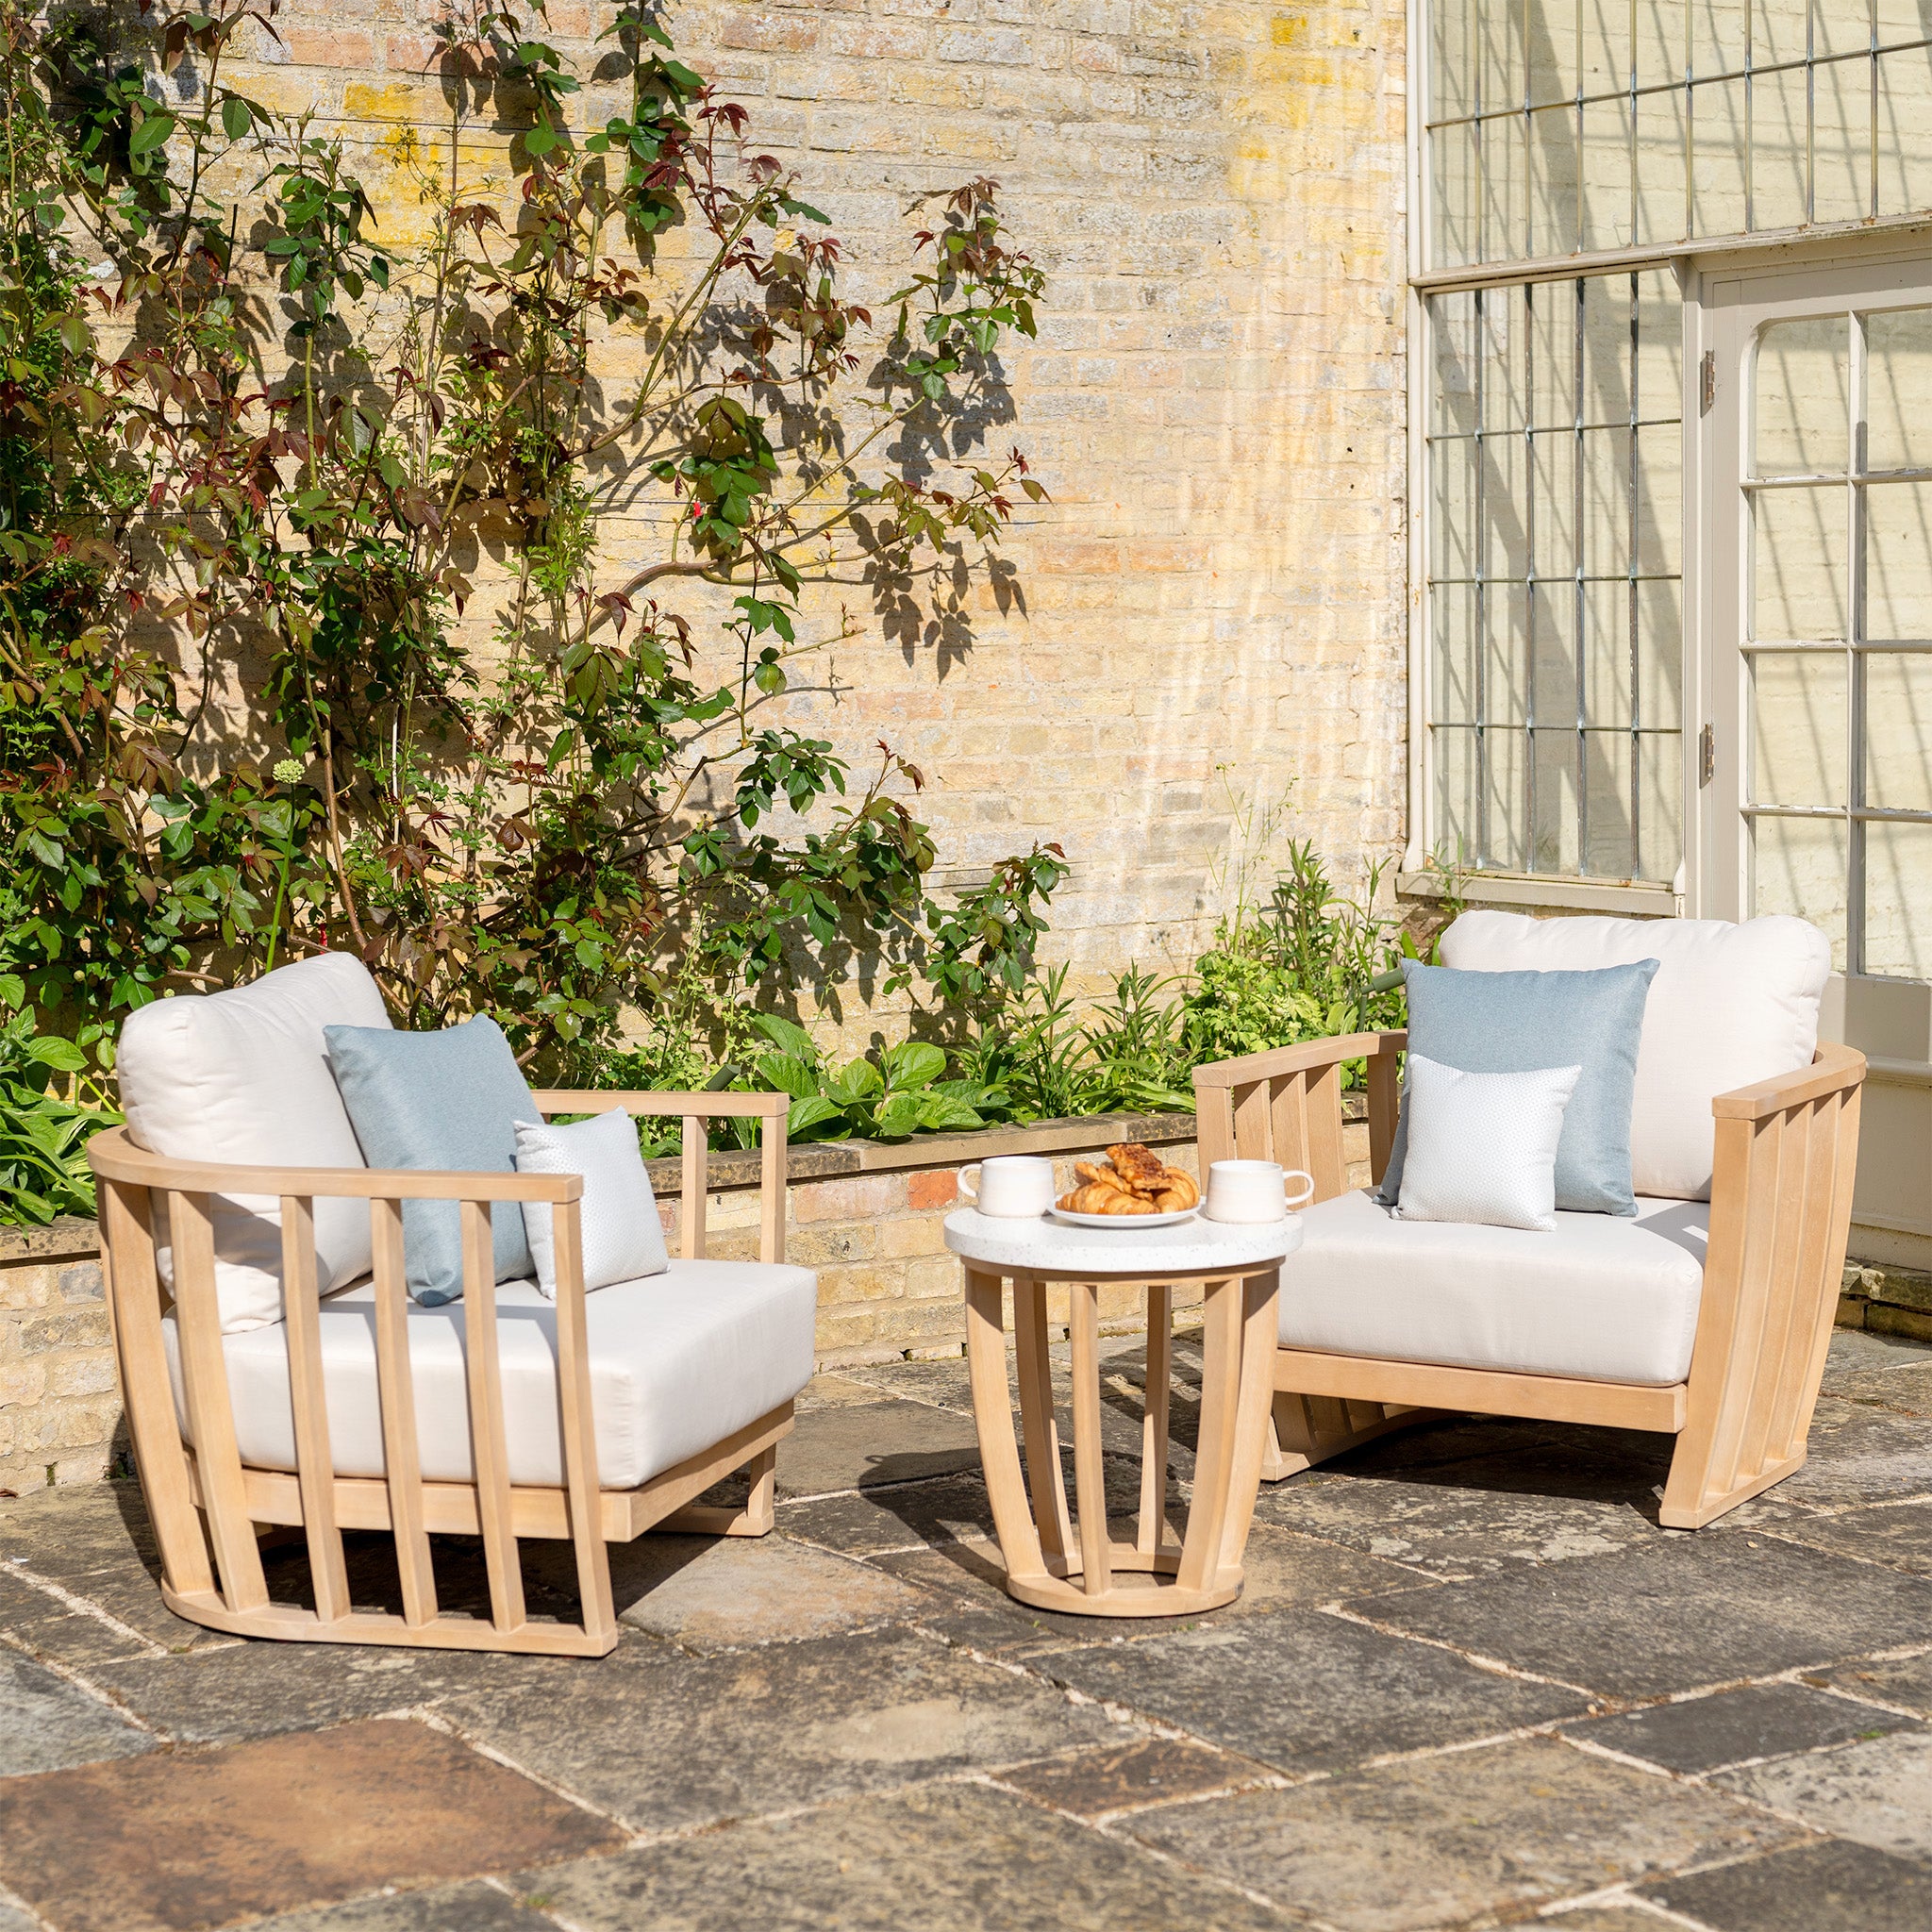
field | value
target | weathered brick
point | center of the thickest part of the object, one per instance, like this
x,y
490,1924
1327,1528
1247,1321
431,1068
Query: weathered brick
x,y
938,1189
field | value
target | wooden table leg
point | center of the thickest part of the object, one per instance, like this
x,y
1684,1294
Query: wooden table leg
x,y
1089,1467
1039,1432
1215,1454
1154,1421
992,1417
1254,1418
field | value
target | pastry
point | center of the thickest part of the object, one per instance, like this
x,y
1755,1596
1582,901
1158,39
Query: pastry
x,y
1132,1180
1139,1168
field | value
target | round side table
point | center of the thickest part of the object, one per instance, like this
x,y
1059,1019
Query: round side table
x,y
1093,1575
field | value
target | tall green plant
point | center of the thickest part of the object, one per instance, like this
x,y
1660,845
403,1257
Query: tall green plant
x,y
544,823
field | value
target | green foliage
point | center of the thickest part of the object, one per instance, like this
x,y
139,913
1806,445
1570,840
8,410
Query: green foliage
x,y
888,1095
1308,965
44,1133
551,821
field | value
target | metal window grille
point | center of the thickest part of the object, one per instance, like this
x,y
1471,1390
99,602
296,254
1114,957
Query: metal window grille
x,y
1561,128
1555,585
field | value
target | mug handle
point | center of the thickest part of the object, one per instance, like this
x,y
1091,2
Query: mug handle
x,y
1307,1193
971,1188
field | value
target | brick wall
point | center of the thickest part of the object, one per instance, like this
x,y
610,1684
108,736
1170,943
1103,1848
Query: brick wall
x,y
1216,401
59,1405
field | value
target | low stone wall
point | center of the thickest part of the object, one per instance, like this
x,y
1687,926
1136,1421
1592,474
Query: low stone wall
x,y
59,1410
1887,1301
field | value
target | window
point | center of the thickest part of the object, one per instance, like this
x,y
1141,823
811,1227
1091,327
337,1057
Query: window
x,y
1554,453
1837,635
1561,126
1552,428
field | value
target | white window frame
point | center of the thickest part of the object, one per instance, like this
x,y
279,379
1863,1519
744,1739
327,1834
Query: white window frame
x,y
1694,889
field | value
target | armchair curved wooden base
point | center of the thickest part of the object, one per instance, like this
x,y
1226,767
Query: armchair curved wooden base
x,y
211,1509
1780,1217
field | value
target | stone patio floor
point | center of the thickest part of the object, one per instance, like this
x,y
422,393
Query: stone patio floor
x,y
1470,1683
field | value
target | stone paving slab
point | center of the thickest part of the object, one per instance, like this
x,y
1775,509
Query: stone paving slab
x,y
1816,1888
905,1517
851,1446
665,1741
1906,1681
1465,1519
47,1723
1304,1692
1127,1777
953,1858
174,1841
1435,1840
1759,1720
76,1636
711,1594
1907,1390
1282,1570
474,1907
1671,1616
1899,1535
1877,1793
226,1693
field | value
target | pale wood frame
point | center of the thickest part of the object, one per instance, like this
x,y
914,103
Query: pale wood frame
x,y
1780,1216
209,1510
1090,1573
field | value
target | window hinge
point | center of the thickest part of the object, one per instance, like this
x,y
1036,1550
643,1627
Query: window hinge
x,y
1707,756
1706,382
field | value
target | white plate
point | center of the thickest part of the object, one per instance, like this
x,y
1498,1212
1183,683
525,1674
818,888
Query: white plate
x,y
1123,1221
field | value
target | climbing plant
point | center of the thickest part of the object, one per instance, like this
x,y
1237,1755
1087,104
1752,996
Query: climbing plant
x,y
309,635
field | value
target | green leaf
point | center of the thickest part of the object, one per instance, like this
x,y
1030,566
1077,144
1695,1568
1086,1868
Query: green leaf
x,y
782,1073
912,1064
236,119
153,132
62,1055
805,1116
856,1080
788,1037
897,1117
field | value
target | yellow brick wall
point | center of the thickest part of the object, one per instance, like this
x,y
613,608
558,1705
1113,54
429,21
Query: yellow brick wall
x,y
1216,402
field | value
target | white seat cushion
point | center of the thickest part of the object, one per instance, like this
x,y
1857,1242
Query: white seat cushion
x,y
678,1360
1731,1004
243,1076
1604,1298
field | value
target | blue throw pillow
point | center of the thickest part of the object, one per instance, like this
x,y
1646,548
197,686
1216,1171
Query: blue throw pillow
x,y
1524,1023
448,1101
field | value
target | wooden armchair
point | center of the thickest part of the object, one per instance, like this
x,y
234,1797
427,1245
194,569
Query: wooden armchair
x,y
1780,1216
210,1505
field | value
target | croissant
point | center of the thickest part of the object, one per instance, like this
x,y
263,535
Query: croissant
x,y
1098,1176
1178,1191
1138,1167
1098,1198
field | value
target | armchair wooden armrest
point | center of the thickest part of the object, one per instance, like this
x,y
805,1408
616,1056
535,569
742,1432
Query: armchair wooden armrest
x,y
1784,1161
694,1110
1285,1105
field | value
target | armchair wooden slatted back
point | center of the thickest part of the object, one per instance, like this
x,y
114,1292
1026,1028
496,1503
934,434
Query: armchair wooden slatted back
x,y
209,1510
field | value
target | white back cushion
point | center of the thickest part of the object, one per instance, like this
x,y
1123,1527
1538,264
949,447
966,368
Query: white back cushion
x,y
1731,1004
243,1076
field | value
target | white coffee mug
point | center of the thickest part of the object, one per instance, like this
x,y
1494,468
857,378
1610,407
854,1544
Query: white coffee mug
x,y
1012,1186
1253,1190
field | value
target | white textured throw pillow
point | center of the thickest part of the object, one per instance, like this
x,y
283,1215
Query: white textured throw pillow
x,y
1482,1148
622,1236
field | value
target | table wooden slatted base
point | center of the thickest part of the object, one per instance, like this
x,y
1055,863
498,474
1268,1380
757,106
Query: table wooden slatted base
x,y
1071,1561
